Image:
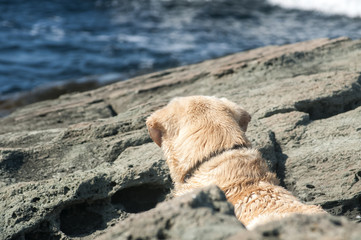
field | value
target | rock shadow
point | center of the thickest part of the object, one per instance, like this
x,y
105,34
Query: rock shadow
x,y
333,105
350,208
80,219
139,198
280,166
12,160
84,218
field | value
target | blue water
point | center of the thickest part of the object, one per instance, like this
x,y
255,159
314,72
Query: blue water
x,y
43,41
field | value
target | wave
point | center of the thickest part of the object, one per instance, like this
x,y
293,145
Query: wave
x,y
350,8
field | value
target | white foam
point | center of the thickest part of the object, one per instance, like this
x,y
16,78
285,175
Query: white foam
x,y
350,8
51,28
132,38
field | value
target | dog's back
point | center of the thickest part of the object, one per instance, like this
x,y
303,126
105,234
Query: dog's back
x,y
204,142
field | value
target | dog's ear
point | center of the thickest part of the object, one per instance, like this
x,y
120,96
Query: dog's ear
x,y
155,130
244,119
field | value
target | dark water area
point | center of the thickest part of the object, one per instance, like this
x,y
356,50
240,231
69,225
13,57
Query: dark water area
x,y
44,42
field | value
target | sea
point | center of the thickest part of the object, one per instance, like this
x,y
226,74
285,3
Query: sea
x,y
47,42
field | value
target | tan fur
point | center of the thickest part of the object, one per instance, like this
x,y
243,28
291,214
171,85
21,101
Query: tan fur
x,y
192,130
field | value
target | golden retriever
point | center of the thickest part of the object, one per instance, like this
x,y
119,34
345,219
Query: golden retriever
x,y
203,140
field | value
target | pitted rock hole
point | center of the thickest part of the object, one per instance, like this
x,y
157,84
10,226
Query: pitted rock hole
x,y
41,236
327,107
79,219
139,198
42,232
11,160
350,208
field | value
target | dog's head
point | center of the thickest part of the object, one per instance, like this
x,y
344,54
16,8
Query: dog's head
x,y
190,129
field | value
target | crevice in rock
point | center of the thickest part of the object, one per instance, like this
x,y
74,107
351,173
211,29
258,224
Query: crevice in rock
x,y
278,111
139,198
11,160
327,107
41,236
350,208
42,232
170,84
123,144
330,106
279,167
83,218
111,110
160,74
80,219
163,232
224,72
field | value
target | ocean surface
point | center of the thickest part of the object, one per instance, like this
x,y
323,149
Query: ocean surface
x,y
45,42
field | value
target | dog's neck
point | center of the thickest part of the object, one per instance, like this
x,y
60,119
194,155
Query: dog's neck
x,y
191,148
191,171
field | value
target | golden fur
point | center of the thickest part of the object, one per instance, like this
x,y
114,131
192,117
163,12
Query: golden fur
x,y
199,136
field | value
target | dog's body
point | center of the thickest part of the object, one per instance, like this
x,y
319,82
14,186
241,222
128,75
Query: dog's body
x,y
204,142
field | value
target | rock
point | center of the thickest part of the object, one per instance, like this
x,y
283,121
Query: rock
x,y
74,166
303,227
10,102
322,163
80,203
203,214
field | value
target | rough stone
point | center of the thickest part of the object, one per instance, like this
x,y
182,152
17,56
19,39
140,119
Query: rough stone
x,y
303,227
203,214
74,166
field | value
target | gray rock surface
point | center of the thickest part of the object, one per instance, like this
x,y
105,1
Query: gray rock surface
x,y
72,167
203,214
303,227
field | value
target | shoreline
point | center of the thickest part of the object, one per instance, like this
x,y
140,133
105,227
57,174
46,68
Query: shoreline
x,y
10,102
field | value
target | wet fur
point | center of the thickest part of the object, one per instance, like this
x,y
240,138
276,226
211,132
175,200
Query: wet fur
x,y
192,130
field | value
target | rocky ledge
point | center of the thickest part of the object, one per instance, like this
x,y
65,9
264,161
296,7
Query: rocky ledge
x,y
83,166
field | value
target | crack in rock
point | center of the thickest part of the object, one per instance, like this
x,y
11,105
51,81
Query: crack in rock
x,y
344,101
351,208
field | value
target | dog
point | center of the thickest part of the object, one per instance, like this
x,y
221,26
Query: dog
x,y
204,142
